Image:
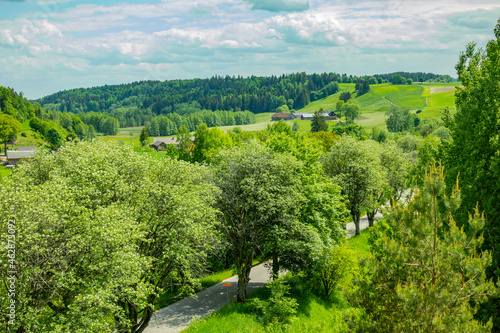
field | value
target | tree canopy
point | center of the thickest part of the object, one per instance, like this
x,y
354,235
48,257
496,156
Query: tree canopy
x,y
102,231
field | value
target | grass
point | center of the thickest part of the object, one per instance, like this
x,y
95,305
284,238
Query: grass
x,y
314,314
382,97
405,96
440,100
4,172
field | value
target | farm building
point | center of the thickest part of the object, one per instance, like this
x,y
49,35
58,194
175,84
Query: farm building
x,y
330,115
298,115
281,116
158,145
161,143
14,156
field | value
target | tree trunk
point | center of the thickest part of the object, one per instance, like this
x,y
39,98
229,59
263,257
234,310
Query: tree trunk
x,y
276,266
244,278
371,217
355,219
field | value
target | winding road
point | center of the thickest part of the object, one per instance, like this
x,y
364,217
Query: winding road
x,y
178,316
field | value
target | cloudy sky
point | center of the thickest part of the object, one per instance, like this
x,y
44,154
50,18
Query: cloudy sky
x,y
51,45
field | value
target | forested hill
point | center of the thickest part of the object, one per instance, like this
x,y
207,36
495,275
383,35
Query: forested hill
x,y
256,94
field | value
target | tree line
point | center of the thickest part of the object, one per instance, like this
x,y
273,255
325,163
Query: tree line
x,y
225,93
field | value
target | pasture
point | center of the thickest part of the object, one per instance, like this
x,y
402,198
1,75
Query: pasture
x,y
431,98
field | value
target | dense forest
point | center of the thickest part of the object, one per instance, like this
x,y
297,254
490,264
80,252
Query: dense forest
x,y
255,94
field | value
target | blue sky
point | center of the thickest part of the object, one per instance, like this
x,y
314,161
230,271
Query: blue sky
x,y
51,45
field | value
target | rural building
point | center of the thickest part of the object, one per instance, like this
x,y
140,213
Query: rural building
x,y
330,115
14,156
161,143
282,116
158,145
307,116
298,115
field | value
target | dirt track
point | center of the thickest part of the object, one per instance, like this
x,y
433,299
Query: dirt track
x,y
435,90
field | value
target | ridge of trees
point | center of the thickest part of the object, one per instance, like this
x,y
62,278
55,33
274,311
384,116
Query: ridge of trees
x,y
418,77
257,94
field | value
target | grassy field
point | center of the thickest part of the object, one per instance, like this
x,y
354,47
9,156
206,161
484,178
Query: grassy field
x,y
314,314
382,97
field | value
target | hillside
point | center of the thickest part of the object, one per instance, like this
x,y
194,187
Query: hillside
x,y
382,97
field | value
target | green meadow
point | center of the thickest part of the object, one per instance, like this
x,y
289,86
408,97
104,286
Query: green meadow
x,y
431,98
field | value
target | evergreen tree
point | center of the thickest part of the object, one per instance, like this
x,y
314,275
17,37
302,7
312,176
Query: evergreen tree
x,y
144,137
429,275
318,123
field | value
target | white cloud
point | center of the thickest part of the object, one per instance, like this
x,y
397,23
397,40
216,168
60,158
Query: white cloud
x,y
187,38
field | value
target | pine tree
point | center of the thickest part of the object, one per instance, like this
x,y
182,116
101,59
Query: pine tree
x,y
144,137
429,275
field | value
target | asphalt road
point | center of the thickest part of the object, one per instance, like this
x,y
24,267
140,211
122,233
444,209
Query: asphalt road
x,y
178,316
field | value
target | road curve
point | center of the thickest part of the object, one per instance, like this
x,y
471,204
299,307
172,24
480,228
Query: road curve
x,y
178,316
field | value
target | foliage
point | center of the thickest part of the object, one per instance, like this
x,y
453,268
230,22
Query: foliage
x,y
417,76
345,96
399,119
442,132
474,150
426,262
295,126
9,127
144,137
335,267
355,166
16,105
100,231
257,94
318,124
279,306
396,167
54,138
258,194
208,142
351,111
350,129
362,87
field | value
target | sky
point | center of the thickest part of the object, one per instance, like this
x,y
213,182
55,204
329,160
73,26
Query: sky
x,y
52,45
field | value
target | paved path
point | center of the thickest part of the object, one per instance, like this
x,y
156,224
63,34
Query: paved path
x,y
178,316
363,224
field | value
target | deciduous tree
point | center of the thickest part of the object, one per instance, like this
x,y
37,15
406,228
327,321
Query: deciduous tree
x,y
259,192
9,127
355,166
474,149
100,231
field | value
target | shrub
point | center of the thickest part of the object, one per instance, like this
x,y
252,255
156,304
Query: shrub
x,y
279,306
334,267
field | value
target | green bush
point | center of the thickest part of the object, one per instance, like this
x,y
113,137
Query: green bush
x,y
279,306
335,266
